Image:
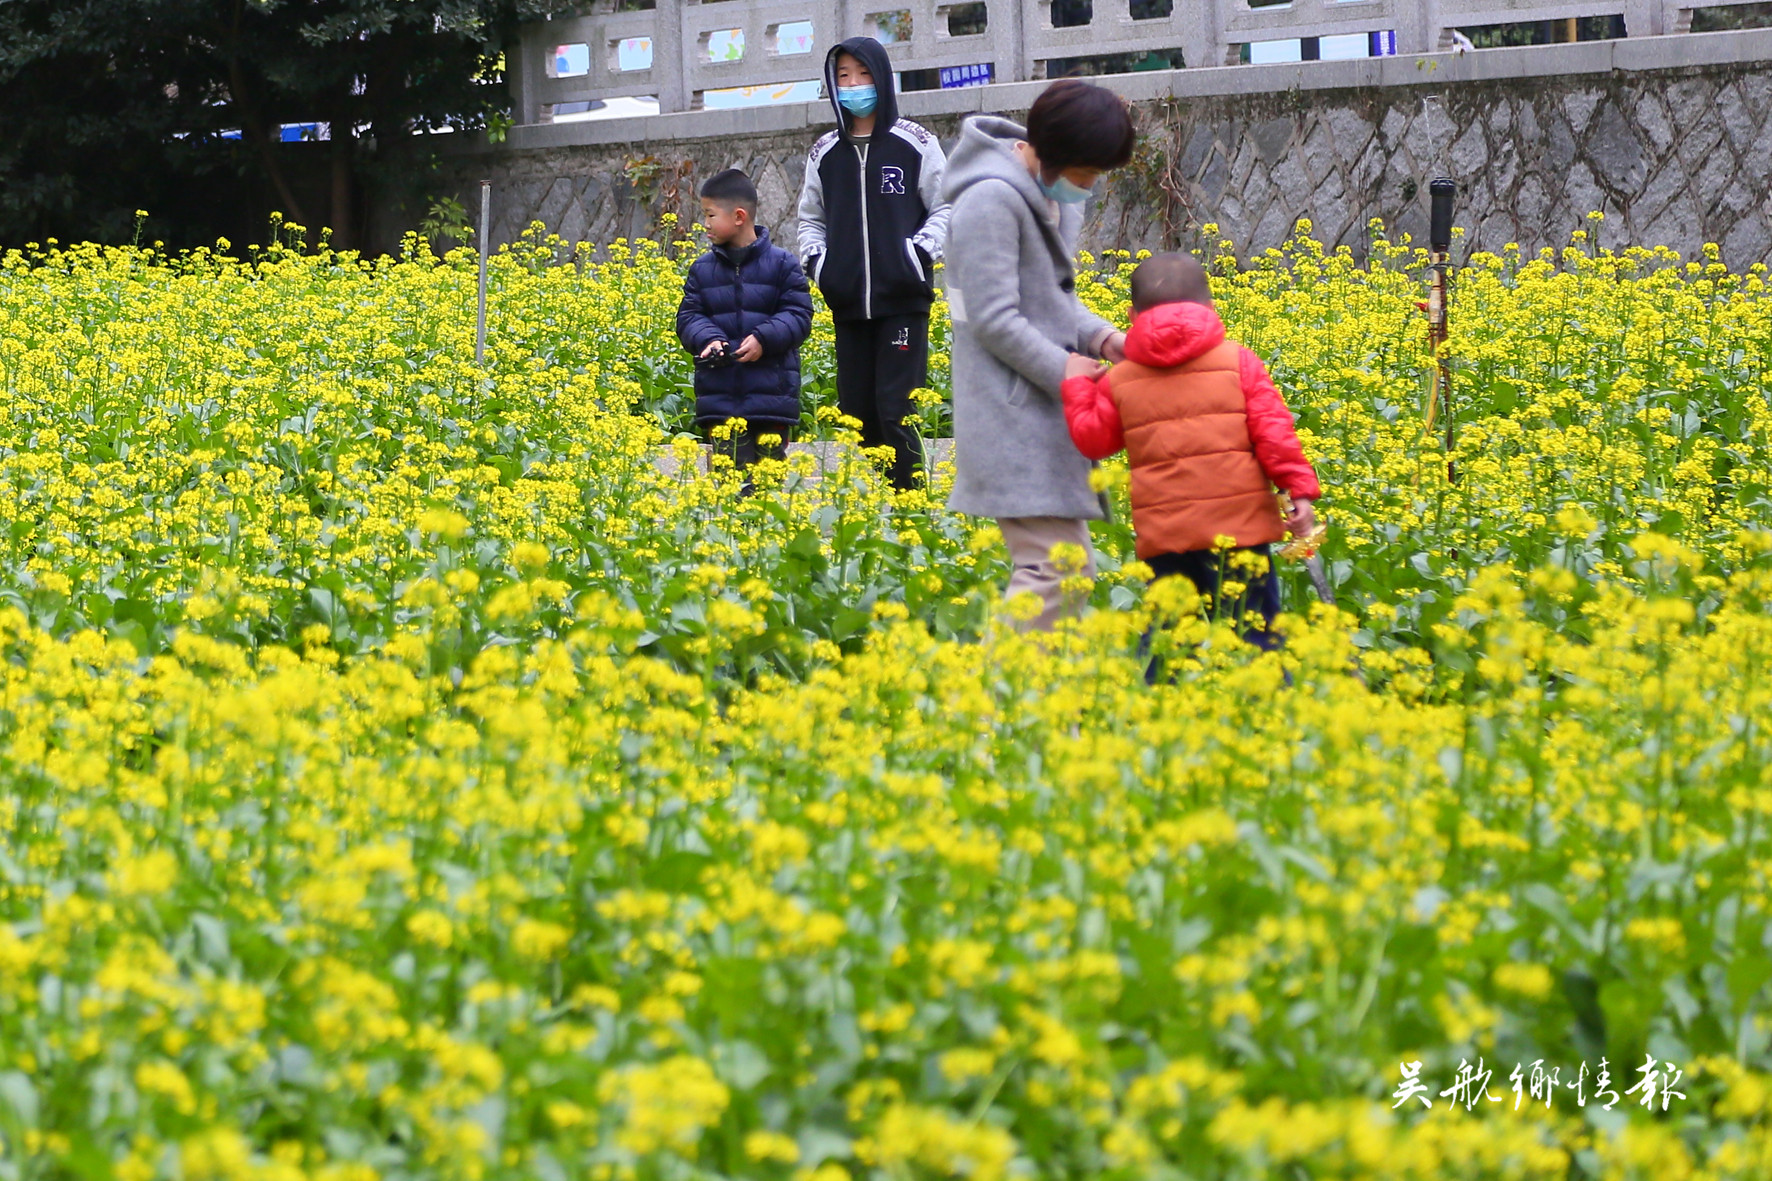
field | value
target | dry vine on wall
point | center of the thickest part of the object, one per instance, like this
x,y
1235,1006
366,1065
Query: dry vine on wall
x,y
659,186
1152,185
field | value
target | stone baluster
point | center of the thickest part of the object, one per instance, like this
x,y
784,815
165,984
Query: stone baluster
x,y
671,64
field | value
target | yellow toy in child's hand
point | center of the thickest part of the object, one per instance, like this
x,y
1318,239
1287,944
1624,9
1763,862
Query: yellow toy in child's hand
x,y
1306,546
1300,546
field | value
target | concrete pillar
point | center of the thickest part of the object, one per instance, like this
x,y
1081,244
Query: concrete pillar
x,y
1007,26
830,24
1199,27
1418,26
523,66
671,67
1642,18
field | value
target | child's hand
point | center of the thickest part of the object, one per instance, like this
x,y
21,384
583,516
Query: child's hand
x,y
1113,349
750,349
1077,365
1302,519
718,346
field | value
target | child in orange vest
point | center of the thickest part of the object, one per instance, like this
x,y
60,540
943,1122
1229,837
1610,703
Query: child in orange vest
x,y
1208,437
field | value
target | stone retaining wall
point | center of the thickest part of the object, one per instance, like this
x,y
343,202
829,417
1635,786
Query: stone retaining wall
x,y
1671,137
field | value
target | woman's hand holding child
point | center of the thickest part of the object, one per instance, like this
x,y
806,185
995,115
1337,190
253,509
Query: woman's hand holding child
x,y
1077,365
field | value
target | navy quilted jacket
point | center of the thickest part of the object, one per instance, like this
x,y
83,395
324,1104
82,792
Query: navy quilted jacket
x,y
730,294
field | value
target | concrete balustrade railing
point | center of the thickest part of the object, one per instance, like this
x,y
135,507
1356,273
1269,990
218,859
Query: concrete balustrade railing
x,y
682,49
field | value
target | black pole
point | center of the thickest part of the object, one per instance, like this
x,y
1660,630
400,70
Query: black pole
x,y
1441,192
485,249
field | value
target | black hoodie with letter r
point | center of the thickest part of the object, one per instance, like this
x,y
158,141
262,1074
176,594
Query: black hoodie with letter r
x,y
872,219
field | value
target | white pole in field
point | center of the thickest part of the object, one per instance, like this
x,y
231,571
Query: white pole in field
x,y
485,233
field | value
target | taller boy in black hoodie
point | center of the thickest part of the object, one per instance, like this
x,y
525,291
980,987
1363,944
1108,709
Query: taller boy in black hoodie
x,y
872,224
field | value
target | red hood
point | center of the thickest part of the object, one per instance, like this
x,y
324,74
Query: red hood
x,y
1172,334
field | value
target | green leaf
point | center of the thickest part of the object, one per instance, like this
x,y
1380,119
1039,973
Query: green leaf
x,y
740,1064
212,938
18,1094
849,622
676,872
818,1145
733,988
1747,974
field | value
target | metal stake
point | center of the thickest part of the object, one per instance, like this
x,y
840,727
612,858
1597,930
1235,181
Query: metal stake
x,y
1439,237
485,233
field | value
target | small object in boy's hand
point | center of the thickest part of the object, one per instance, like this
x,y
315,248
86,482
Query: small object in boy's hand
x,y
716,356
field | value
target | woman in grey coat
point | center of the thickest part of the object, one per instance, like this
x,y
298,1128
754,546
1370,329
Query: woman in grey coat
x,y
1019,330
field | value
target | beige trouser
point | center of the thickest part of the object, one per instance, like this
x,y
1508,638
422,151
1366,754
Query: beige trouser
x,y
1030,541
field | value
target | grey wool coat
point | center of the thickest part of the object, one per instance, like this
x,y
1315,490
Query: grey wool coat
x,y
1012,296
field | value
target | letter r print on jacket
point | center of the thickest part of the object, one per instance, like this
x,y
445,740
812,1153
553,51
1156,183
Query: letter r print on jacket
x,y
892,180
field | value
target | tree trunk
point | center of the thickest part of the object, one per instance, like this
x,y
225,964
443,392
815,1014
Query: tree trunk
x,y
344,228
254,127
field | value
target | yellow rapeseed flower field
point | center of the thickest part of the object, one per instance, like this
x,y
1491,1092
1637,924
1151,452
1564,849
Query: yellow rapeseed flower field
x,y
404,774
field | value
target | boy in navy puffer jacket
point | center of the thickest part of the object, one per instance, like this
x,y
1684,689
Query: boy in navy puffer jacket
x,y
746,310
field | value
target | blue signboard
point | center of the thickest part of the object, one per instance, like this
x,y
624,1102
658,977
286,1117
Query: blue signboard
x,y
1383,44
957,76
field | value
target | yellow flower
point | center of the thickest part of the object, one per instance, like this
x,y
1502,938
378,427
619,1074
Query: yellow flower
x,y
772,1147
444,523
964,1065
164,1079
153,873
535,940
666,1106
932,1139
220,1154
432,927
1532,981
531,557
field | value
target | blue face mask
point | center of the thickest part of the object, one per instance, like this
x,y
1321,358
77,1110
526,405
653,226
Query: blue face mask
x,y
1065,191
858,100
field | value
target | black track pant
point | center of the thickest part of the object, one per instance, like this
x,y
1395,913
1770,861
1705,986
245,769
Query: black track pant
x,y
1206,569
879,363
744,450
742,446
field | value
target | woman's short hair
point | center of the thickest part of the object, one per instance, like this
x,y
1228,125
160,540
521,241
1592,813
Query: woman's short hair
x,y
1076,124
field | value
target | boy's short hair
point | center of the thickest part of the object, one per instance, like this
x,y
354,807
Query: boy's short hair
x,y
1076,124
731,187
1169,278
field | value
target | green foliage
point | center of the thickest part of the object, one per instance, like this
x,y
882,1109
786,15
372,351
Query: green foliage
x,y
447,218
118,105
